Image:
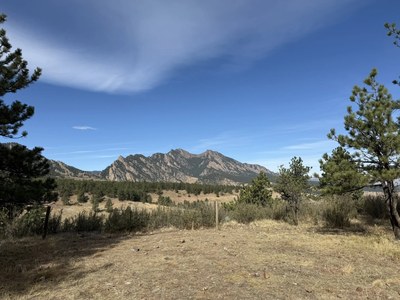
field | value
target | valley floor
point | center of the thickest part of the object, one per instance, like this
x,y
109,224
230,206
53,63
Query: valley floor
x,y
263,260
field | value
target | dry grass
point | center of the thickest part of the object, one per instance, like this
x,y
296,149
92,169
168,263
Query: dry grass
x,y
75,207
264,260
177,197
182,195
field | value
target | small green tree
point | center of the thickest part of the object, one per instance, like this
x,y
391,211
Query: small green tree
x,y
65,197
341,174
109,205
292,183
95,204
97,197
82,198
257,192
165,200
373,134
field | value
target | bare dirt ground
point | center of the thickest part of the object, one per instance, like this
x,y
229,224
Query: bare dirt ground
x,y
263,260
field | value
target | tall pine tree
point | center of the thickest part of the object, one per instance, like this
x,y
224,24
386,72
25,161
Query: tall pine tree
x,y
20,167
373,137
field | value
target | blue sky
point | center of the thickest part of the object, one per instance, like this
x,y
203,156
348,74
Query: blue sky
x,y
260,81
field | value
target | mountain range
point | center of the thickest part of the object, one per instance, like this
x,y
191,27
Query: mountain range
x,y
177,165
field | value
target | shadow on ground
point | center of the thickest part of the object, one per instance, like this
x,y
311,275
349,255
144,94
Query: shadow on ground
x,y
30,261
362,227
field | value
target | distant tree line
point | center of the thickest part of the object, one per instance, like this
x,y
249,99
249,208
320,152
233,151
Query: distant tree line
x,y
134,191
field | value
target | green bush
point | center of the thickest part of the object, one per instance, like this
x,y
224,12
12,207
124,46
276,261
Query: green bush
x,y
166,201
84,222
160,217
65,197
30,223
55,223
311,210
279,210
127,219
338,212
249,212
82,198
374,206
187,215
246,213
109,205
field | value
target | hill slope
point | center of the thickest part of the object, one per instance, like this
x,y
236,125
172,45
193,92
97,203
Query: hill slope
x,y
60,169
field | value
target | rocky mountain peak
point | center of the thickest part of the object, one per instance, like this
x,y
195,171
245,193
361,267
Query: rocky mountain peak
x,y
177,165
180,152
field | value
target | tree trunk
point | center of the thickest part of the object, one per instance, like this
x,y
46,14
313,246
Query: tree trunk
x,y
295,209
391,204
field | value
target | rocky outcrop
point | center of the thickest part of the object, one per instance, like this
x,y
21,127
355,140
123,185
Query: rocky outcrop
x,y
178,165
181,166
62,170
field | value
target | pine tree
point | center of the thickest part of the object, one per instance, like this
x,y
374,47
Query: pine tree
x,y
109,205
257,192
14,75
19,166
395,33
65,197
373,135
292,183
95,204
82,198
96,199
341,174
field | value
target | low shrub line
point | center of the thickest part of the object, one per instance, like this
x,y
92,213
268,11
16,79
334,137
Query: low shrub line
x,y
335,212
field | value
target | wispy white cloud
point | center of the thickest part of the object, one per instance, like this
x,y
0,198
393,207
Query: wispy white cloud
x,y
84,128
88,151
318,145
144,42
104,156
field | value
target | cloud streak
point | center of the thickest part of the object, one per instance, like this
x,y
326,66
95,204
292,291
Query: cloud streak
x,y
311,146
84,128
131,46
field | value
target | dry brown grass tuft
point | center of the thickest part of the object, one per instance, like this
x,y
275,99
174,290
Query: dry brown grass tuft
x,y
263,260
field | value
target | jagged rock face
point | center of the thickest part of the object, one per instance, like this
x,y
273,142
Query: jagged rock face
x,y
175,166
59,169
182,166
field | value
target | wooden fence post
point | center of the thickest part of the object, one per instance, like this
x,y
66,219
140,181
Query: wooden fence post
x,y
216,215
46,222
